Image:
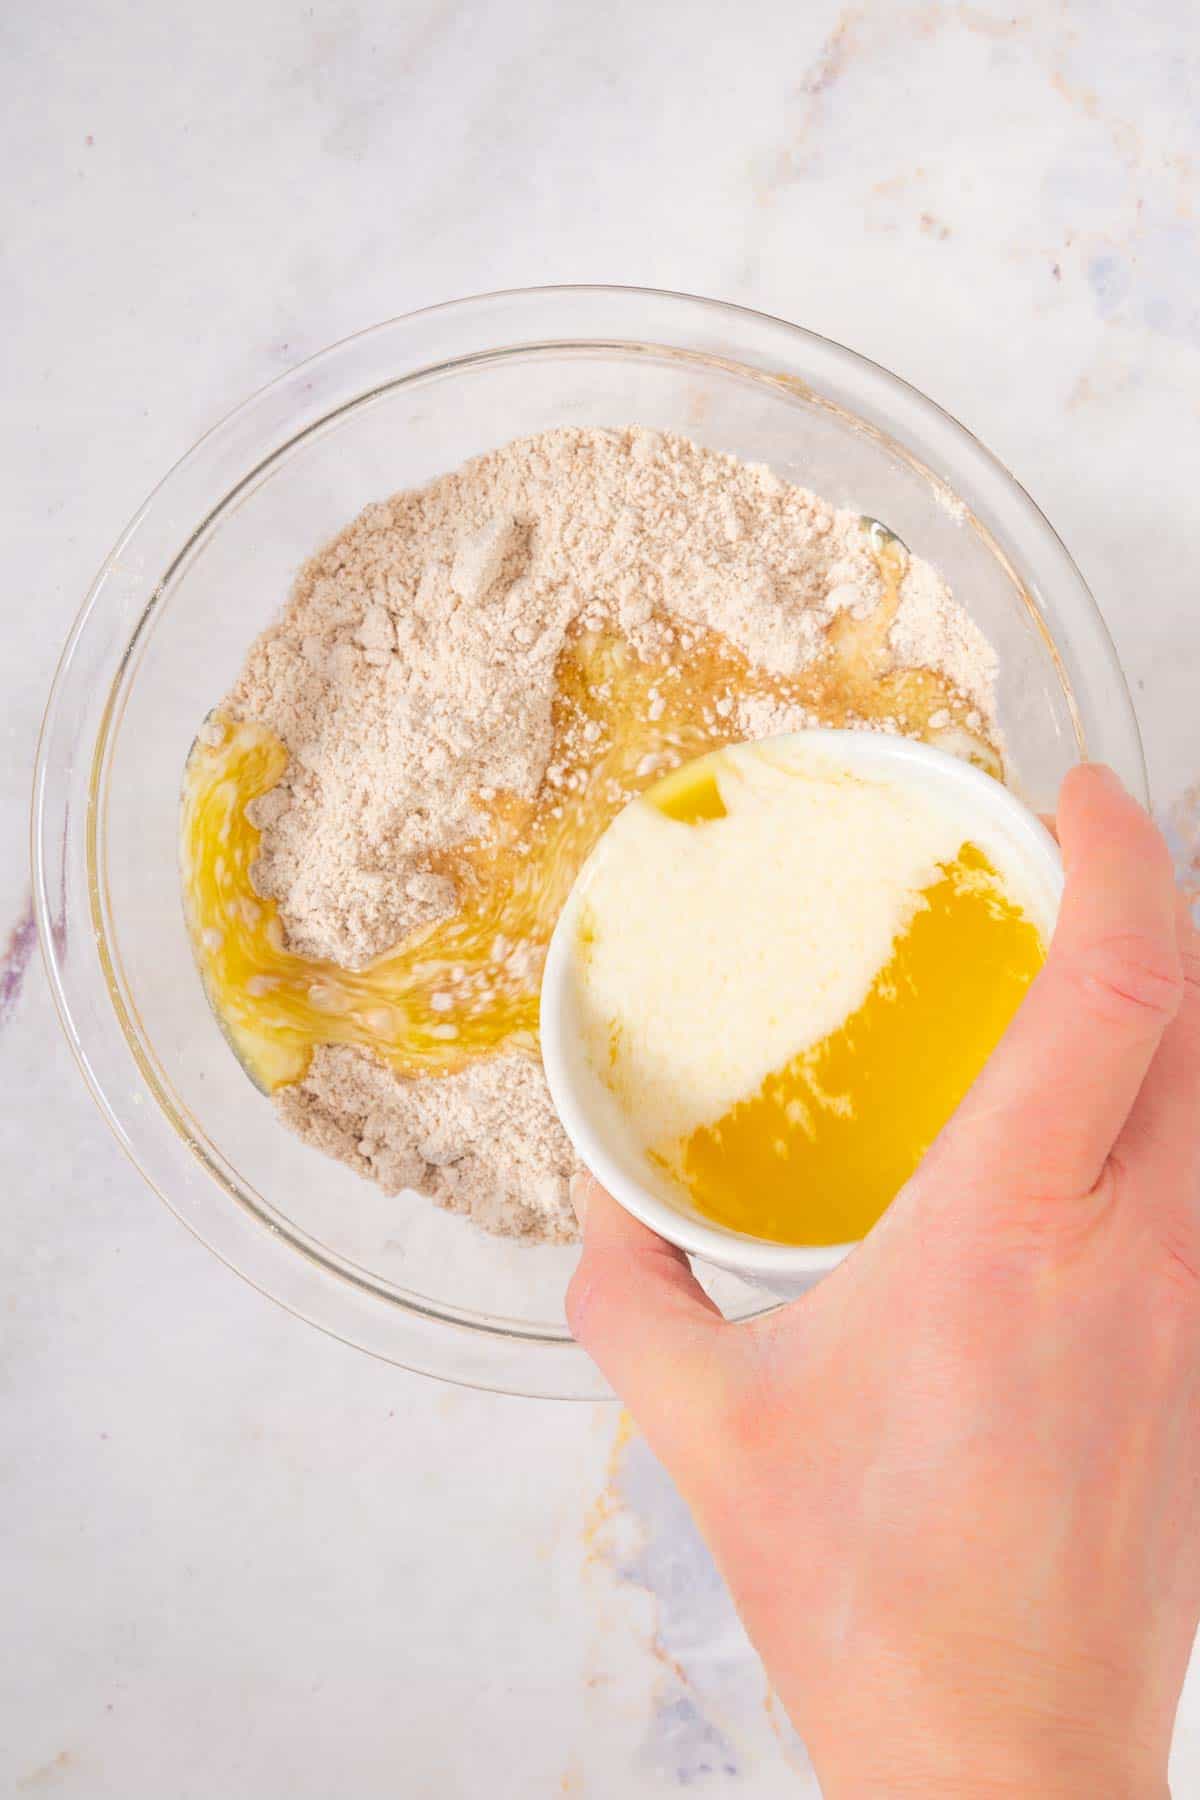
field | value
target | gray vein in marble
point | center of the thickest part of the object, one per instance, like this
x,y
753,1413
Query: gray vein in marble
x,y
1181,823
356,72
14,962
712,1676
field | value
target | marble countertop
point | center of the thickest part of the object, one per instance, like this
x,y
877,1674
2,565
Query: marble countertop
x,y
251,1561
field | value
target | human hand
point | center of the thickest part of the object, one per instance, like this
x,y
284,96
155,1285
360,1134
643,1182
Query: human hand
x,y
953,1490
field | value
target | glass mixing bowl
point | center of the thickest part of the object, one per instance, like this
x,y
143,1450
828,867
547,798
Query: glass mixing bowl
x,y
207,562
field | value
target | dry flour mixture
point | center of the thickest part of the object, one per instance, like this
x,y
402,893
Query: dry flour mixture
x,y
467,683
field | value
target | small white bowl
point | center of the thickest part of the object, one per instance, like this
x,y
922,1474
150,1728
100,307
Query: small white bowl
x,y
592,1117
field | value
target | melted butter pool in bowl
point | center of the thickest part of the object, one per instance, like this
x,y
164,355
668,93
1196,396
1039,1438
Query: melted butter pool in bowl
x,y
788,974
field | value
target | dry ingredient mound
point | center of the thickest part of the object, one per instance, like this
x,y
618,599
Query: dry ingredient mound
x,y
414,667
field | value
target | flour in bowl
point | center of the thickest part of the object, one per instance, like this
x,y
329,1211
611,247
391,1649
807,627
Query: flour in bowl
x,y
468,683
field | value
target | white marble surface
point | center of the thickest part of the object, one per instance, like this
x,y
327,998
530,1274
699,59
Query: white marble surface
x,y
236,1557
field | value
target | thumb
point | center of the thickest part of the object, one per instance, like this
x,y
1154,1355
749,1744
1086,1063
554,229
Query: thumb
x,y
1043,1116
642,1316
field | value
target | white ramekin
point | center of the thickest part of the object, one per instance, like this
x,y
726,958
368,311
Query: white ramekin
x,y
588,1110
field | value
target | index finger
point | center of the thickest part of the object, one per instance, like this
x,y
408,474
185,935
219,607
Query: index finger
x,y
1047,1109
641,1315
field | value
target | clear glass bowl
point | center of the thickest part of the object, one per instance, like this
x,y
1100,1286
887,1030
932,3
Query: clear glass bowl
x,y
209,559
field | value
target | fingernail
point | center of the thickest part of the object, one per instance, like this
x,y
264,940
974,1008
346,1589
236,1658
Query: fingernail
x,y
577,1191
1109,777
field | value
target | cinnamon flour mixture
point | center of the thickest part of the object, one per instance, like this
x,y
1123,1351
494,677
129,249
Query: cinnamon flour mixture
x,y
412,676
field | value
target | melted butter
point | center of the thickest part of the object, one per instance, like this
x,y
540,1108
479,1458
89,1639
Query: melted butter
x,y
817,1154
690,796
468,985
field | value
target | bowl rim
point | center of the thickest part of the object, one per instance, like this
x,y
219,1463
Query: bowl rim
x,y
872,754
87,681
